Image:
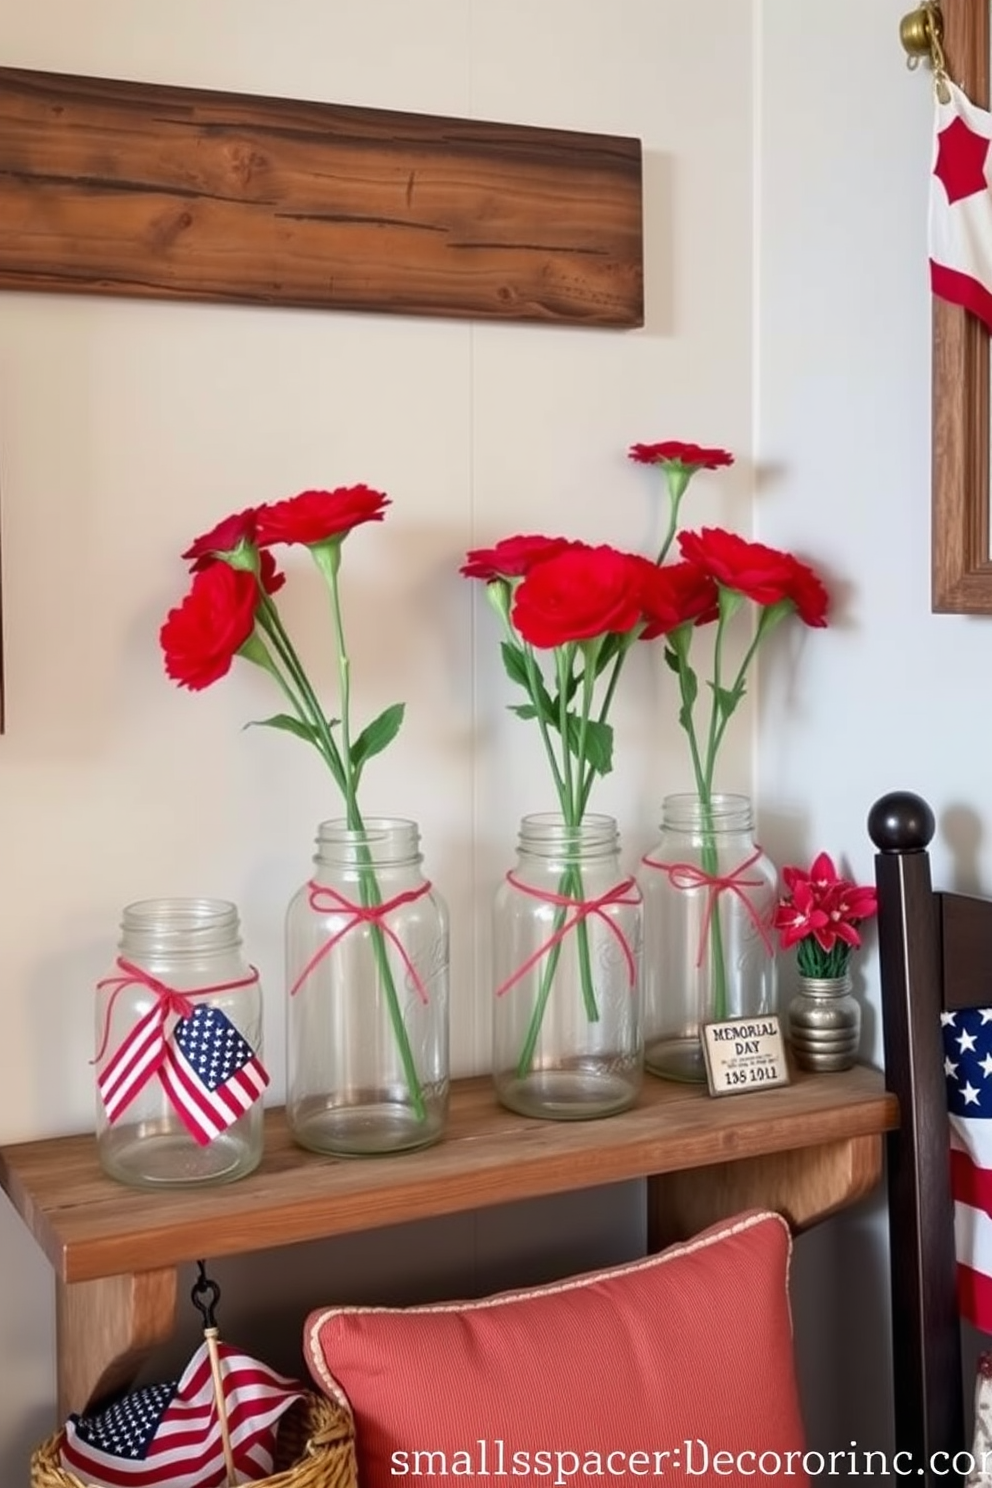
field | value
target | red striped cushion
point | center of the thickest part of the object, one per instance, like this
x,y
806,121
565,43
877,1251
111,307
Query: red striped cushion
x,y
688,1352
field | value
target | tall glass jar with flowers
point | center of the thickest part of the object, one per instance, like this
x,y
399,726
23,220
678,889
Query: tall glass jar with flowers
x,y
567,1040
366,934
709,888
818,917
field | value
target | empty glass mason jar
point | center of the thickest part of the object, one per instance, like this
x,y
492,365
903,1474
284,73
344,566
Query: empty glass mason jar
x,y
566,958
367,995
179,1048
709,900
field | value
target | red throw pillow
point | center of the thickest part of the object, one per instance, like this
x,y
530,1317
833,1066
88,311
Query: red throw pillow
x,y
687,1353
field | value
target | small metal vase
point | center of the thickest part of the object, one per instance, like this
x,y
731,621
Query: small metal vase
x,y
824,1024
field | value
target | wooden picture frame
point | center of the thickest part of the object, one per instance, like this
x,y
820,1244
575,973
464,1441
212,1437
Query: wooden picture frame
x,y
961,566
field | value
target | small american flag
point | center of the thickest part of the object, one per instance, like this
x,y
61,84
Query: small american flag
x,y
169,1436
134,1063
968,1074
210,1073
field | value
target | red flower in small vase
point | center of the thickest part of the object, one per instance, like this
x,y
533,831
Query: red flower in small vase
x,y
512,557
695,456
315,517
819,915
579,594
201,636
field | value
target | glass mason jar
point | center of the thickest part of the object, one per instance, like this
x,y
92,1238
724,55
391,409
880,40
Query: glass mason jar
x,y
179,1048
710,895
824,1022
566,959
367,995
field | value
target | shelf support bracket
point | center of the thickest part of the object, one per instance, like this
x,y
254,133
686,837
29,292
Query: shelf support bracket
x,y
105,1331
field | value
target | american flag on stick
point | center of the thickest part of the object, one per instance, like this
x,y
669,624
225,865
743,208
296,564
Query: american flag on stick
x,y
170,1436
210,1073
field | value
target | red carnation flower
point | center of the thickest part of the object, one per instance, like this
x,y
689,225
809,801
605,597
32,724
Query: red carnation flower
x,y
512,557
201,637
766,575
581,593
675,594
696,455
231,533
318,516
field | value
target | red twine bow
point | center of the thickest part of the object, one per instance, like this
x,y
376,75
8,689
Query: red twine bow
x,y
690,876
142,1050
583,909
328,901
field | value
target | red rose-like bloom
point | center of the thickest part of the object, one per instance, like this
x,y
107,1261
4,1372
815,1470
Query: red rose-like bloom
x,y
512,557
224,538
318,516
200,637
766,575
695,455
580,593
675,594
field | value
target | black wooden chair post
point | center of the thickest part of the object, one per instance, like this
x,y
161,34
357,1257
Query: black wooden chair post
x,y
925,1323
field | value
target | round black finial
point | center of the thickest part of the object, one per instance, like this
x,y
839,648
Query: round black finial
x,y
901,822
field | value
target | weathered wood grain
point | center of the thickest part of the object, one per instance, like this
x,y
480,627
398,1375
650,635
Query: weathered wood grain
x,y
127,188
90,1226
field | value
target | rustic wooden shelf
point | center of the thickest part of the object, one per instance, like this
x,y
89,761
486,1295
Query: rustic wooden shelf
x,y
806,1149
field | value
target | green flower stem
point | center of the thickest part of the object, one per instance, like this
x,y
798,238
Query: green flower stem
x,y
534,675
342,769
571,793
327,557
270,620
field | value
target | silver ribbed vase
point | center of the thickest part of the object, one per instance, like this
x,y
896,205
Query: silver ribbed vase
x,y
825,1024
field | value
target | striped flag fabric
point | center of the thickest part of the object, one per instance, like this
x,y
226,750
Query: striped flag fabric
x,y
134,1063
967,1037
169,1436
960,230
210,1073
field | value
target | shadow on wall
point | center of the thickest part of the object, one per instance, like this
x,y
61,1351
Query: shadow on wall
x,y
845,1410
265,1298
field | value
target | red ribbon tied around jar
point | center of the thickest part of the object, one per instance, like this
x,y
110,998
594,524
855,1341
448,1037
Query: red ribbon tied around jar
x,y
583,909
206,1107
327,901
691,876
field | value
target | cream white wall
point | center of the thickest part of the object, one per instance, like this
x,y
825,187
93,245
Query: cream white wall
x,y
125,428
891,697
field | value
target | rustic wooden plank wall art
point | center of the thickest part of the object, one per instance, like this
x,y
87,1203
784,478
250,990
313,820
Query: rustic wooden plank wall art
x,y
123,188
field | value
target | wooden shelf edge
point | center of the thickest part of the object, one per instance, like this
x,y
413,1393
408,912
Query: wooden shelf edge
x,y
91,1227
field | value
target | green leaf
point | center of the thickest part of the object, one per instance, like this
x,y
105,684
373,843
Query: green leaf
x,y
515,664
288,724
671,659
377,734
524,710
598,753
727,698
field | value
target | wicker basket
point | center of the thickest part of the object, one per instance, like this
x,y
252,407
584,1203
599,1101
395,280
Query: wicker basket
x,y
315,1449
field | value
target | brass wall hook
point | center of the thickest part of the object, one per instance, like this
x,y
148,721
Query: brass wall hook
x,y
921,32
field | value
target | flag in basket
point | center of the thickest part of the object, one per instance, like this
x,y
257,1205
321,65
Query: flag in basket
x,y
961,204
170,1436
